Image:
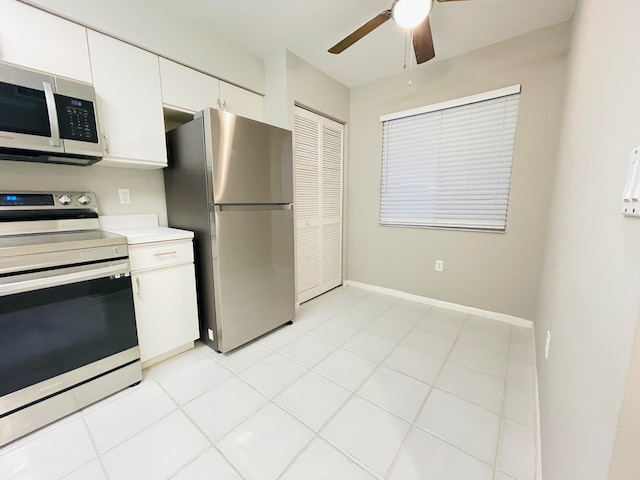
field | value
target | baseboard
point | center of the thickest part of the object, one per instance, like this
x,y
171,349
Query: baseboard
x,y
167,355
502,317
537,410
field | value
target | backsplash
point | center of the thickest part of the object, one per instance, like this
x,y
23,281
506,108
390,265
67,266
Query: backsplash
x,y
146,187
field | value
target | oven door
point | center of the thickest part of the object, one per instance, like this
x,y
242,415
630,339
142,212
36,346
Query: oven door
x,y
28,116
62,327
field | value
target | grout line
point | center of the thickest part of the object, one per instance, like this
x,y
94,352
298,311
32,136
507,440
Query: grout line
x,y
502,416
103,466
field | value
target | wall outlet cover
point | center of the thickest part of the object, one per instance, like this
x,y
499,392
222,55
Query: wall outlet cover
x,y
439,265
124,195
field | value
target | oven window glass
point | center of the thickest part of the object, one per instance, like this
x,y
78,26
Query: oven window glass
x,y
47,332
23,110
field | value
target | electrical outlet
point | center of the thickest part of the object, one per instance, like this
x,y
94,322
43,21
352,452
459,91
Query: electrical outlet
x,y
547,344
125,196
439,265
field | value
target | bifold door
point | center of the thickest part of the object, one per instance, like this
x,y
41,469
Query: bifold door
x,y
318,153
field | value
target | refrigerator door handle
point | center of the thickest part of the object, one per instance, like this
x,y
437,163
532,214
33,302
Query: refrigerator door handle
x,y
253,207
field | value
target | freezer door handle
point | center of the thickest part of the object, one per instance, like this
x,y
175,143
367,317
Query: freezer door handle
x,y
245,208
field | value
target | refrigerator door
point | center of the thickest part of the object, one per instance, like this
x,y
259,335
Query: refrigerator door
x,y
251,162
254,271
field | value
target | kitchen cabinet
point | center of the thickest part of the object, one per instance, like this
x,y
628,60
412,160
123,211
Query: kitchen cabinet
x,y
186,89
129,95
240,101
34,39
189,90
164,288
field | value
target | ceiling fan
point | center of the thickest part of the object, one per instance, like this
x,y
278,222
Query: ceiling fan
x,y
411,14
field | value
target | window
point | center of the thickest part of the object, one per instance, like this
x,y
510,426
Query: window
x,y
449,165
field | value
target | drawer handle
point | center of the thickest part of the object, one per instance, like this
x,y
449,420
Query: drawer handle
x,y
164,253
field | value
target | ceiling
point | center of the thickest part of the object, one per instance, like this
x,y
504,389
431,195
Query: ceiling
x,y
309,28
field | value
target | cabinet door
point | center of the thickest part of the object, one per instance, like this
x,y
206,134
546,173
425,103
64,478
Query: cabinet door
x,y
187,89
166,309
318,146
127,82
34,39
240,101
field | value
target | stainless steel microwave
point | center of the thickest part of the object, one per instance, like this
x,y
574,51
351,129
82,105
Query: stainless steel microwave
x,y
48,119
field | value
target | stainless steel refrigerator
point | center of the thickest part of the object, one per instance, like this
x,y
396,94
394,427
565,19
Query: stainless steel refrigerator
x,y
230,181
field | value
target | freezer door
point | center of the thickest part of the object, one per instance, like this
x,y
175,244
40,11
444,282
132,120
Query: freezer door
x,y
251,161
254,272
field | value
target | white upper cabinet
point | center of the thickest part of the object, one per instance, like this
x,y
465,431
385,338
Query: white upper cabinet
x,y
127,83
187,89
34,39
240,101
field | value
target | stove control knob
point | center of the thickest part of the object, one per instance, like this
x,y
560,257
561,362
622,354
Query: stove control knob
x,y
64,199
84,200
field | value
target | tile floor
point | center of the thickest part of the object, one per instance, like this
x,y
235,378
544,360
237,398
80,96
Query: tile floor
x,y
362,386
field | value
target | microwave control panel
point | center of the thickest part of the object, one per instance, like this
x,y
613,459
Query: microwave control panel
x,y
77,119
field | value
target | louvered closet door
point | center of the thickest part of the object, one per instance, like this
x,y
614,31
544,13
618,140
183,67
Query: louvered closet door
x,y
318,147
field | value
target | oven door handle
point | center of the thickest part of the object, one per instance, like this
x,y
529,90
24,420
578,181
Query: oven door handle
x,y
64,279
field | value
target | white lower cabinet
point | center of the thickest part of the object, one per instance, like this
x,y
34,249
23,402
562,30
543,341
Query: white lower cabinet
x,y
165,300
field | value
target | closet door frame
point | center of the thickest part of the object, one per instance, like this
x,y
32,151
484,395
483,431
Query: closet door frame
x,y
321,222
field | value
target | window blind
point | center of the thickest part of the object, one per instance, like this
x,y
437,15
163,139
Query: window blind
x,y
450,167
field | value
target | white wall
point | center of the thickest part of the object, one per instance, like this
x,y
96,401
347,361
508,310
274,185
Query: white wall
x,y
146,186
590,290
157,29
496,272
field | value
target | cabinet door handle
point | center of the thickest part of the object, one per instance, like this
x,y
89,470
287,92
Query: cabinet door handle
x,y
224,105
106,143
138,287
218,104
160,254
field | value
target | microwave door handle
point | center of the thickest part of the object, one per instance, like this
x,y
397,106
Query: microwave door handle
x,y
53,113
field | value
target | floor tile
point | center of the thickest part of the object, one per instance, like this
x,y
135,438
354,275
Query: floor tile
x,y
375,304
401,315
264,444
323,308
502,476
157,452
219,410
442,322
427,457
313,399
176,363
387,327
243,357
479,359
55,453
134,412
320,461
519,404
307,350
334,332
516,455
489,340
415,363
368,345
273,374
487,324
195,379
346,368
353,318
522,335
413,309
521,373
479,388
281,337
307,321
465,425
368,433
395,392
90,471
211,465
522,351
429,342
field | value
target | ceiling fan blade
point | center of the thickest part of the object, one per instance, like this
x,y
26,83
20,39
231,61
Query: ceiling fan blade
x,y
368,27
423,42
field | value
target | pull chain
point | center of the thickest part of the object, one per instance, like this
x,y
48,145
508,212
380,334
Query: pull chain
x,y
410,41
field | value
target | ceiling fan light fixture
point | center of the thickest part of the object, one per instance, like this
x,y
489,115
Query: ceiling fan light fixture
x,y
410,13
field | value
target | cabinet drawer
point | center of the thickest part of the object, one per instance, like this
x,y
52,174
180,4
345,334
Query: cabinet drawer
x,y
160,254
